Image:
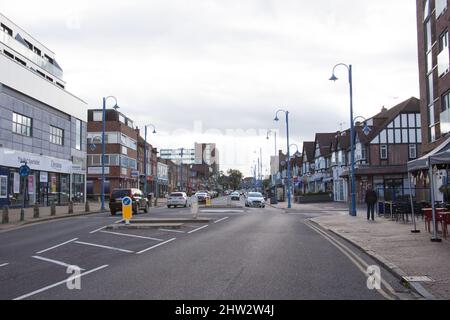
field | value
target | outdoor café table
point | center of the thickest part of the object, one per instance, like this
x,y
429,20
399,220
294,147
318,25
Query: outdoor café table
x,y
428,214
391,205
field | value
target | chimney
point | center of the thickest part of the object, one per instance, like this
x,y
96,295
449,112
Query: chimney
x,y
384,109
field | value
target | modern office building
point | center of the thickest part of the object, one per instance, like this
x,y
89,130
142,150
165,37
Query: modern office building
x,y
41,124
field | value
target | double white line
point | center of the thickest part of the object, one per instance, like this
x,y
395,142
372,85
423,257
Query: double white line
x,y
355,259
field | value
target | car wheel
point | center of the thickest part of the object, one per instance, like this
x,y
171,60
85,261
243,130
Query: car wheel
x,y
146,208
185,205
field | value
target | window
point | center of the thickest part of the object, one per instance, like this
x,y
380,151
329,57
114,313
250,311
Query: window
x,y
412,151
130,124
412,120
6,30
78,134
22,125
21,61
8,54
124,150
383,152
56,135
97,116
441,5
445,102
3,187
122,119
443,41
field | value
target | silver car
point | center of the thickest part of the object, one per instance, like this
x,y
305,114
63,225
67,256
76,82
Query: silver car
x,y
255,199
177,199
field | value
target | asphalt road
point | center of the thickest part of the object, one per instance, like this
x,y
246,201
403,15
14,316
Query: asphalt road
x,y
255,254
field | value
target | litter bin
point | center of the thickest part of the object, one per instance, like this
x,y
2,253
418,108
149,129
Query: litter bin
x,y
273,200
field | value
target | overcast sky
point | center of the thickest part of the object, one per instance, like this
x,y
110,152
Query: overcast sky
x,y
217,70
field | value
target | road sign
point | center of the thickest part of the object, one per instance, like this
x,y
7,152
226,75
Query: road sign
x,y
93,147
127,209
24,171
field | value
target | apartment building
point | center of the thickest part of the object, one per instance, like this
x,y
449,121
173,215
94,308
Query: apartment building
x,y
41,123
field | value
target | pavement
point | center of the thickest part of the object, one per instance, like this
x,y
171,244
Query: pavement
x,y
248,254
390,243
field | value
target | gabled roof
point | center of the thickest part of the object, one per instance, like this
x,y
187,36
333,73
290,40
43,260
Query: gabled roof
x,y
325,141
308,150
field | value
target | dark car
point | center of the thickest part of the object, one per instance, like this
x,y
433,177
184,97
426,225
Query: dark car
x,y
139,201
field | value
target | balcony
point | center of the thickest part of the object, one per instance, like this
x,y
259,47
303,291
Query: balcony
x,y
30,55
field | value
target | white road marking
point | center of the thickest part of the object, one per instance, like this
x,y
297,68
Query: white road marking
x,y
60,283
55,262
131,235
4,265
97,230
222,211
156,246
58,245
104,247
198,229
171,230
118,221
220,220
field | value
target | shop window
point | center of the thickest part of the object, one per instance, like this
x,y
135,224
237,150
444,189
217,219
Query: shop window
x,y
3,187
22,125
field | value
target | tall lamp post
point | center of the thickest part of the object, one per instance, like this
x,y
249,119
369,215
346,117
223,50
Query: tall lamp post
x,y
104,146
288,155
352,135
145,158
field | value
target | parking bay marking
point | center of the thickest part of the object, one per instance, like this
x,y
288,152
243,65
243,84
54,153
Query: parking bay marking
x,y
171,230
156,246
103,247
60,263
58,245
198,229
97,230
220,220
131,235
4,265
60,283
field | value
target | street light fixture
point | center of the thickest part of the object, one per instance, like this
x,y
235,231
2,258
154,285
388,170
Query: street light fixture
x,y
288,155
352,135
116,106
145,158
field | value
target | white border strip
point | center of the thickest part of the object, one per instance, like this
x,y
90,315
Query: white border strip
x,y
59,283
171,230
103,247
4,265
156,246
58,245
198,229
131,235
60,263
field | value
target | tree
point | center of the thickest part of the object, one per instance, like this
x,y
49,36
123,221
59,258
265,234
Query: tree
x,y
235,178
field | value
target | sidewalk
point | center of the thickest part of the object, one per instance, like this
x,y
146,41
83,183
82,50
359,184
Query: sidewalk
x,y
389,242
61,212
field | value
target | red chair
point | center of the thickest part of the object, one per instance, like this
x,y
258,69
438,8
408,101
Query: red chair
x,y
445,221
429,219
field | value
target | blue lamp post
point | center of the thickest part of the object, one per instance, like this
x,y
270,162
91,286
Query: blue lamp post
x,y
288,155
352,135
104,147
145,158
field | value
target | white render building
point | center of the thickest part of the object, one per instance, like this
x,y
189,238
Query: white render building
x,y
40,123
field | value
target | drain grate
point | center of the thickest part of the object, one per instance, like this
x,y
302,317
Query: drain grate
x,y
418,279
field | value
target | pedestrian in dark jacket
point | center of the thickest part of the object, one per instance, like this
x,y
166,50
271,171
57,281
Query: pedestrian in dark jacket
x,y
371,200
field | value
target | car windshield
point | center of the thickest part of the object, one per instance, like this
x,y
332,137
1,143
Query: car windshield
x,y
176,195
255,195
120,193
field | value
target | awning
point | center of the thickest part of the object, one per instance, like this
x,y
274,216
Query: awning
x,y
440,155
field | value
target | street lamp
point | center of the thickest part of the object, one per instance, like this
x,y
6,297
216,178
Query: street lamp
x,y
352,135
366,129
104,146
145,158
288,155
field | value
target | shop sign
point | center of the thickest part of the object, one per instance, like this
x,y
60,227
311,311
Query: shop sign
x,y
15,159
97,170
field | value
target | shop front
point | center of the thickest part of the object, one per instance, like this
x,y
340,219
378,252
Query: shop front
x,y
51,180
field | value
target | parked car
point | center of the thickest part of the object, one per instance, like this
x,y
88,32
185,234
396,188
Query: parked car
x,y
202,196
235,196
255,199
176,199
139,201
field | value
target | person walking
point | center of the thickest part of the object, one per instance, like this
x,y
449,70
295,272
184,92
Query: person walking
x,y
371,200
